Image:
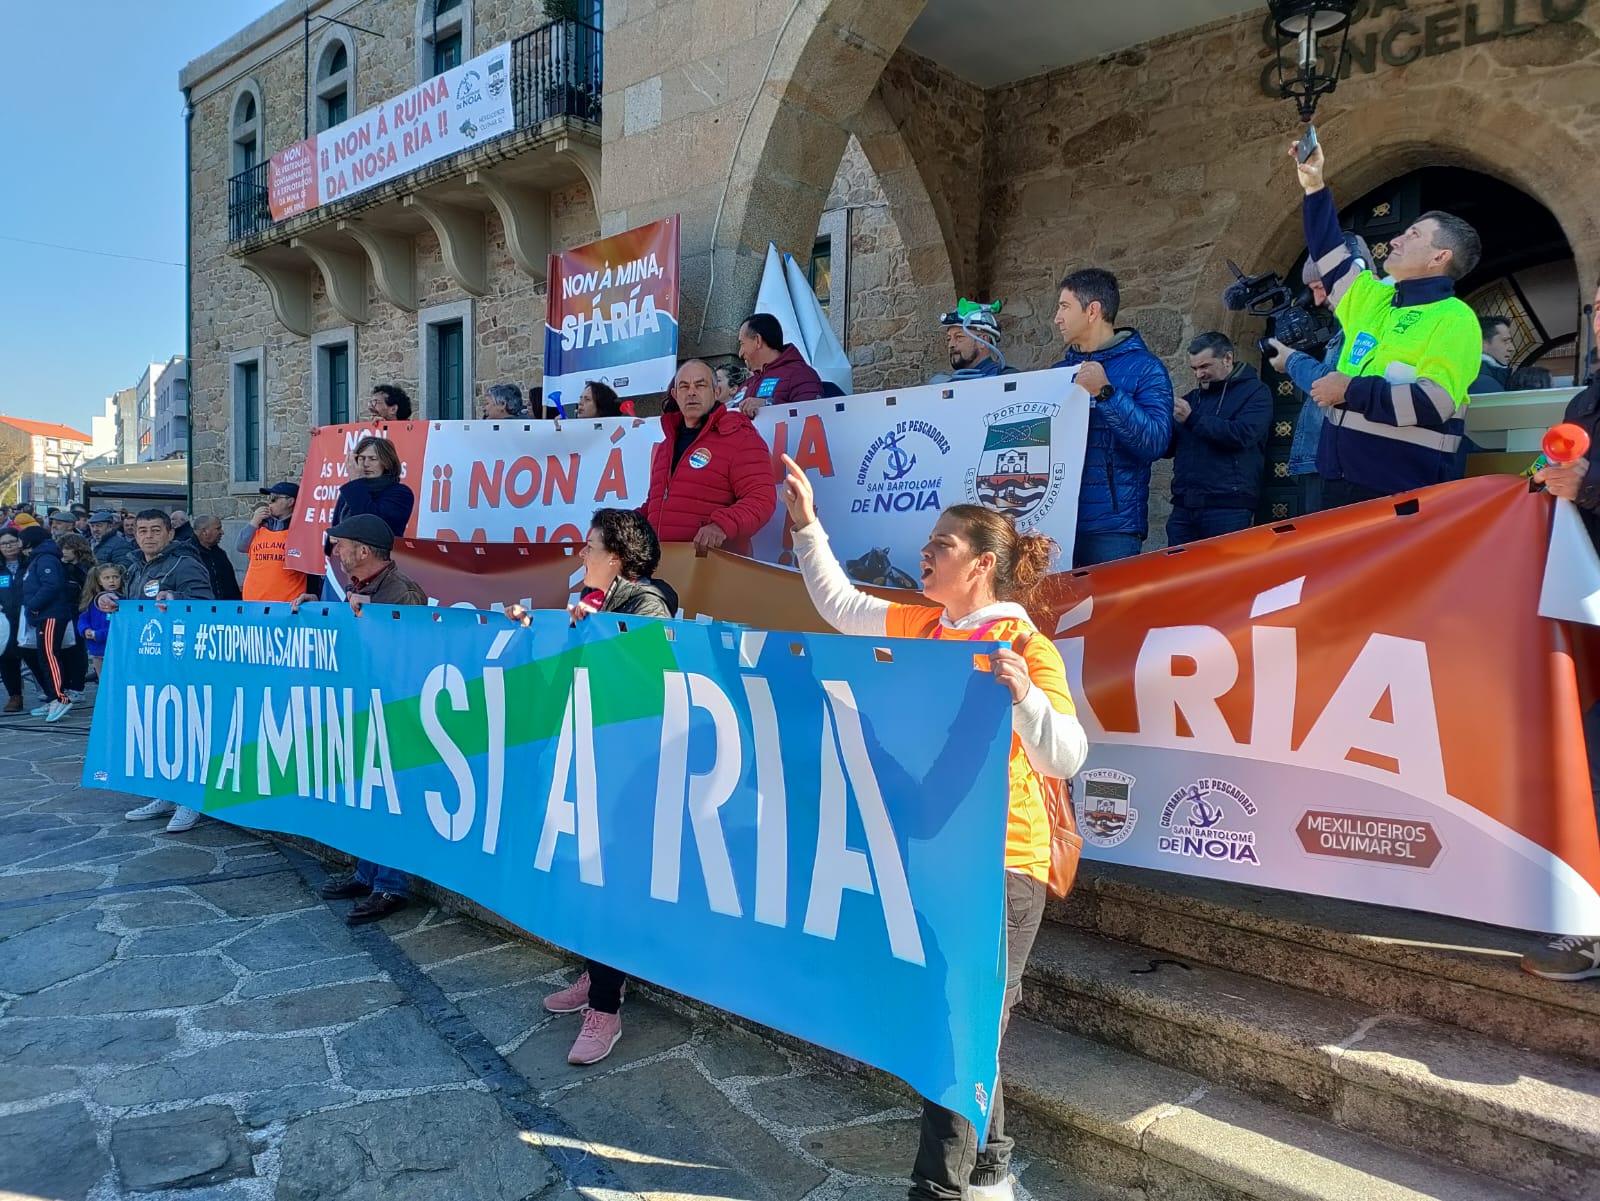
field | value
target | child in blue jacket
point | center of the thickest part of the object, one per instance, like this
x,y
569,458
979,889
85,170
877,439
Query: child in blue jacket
x,y
94,627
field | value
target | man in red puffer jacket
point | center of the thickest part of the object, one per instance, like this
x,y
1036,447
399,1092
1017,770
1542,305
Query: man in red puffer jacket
x,y
711,476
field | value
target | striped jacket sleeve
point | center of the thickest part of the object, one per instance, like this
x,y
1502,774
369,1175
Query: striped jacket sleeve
x,y
1325,245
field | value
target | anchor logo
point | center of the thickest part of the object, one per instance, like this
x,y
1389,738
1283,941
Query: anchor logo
x,y
900,463
1202,815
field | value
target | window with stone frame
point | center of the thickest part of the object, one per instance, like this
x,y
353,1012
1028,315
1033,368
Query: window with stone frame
x,y
245,411
336,382
335,80
246,128
820,271
445,360
444,35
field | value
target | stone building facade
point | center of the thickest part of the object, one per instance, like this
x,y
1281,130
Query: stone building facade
x,y
777,119
238,334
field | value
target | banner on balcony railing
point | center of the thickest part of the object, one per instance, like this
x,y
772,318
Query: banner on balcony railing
x,y
455,109
612,315
758,821
887,461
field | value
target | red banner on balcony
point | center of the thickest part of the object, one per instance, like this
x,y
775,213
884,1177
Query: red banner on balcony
x,y
292,180
452,111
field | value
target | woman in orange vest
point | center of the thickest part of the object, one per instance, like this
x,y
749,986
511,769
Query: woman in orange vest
x,y
267,577
977,568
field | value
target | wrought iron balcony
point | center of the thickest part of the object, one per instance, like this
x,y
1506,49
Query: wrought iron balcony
x,y
555,73
247,203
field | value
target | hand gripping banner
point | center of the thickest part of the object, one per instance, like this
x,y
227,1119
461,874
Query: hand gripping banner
x,y
758,820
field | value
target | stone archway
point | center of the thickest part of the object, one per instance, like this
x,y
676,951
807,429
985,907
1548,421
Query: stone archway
x,y
1375,142
826,60
899,272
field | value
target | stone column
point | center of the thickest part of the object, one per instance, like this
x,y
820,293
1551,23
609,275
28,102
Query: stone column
x,y
741,135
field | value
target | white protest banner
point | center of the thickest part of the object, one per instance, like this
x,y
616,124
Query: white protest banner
x,y
487,481
884,464
458,108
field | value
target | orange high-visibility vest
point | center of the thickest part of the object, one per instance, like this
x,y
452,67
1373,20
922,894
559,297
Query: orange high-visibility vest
x,y
267,579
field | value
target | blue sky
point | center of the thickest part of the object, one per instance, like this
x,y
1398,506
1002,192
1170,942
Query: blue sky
x,y
94,159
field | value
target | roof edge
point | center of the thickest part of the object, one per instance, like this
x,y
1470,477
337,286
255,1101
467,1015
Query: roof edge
x,y
252,35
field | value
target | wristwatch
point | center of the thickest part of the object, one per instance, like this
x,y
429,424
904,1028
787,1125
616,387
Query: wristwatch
x,y
1105,393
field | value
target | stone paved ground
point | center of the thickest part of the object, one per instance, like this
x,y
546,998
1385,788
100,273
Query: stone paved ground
x,y
182,1019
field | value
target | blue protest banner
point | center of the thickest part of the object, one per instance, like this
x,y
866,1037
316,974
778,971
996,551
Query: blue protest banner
x,y
807,830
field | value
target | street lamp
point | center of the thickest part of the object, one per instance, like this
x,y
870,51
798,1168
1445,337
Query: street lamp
x,y
1308,25
69,459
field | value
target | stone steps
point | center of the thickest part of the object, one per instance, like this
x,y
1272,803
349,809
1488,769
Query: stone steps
x,y
1528,1117
1129,1126
1448,971
1156,1133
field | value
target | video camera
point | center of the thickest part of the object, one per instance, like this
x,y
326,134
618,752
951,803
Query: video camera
x,y
1295,322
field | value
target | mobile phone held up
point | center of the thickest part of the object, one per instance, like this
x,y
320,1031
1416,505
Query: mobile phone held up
x,y
1307,145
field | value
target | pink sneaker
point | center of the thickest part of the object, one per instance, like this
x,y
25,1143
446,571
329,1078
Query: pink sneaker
x,y
599,1034
571,998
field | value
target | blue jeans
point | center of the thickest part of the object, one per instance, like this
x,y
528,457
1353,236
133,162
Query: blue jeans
x,y
1191,525
1089,549
383,879
1311,486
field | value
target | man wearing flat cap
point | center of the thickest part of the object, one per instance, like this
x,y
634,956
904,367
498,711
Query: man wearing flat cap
x,y
105,534
60,523
362,545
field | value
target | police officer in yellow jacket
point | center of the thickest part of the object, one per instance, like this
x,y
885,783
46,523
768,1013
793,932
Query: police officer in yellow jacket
x,y
1411,349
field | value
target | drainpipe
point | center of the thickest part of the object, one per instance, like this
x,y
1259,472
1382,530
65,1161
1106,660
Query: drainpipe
x,y
188,296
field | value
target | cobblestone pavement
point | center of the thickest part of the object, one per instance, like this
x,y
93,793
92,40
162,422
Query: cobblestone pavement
x,y
181,1017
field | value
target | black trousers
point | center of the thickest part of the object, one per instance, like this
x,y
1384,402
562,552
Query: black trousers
x,y
11,668
75,666
44,660
949,1157
605,986
1336,494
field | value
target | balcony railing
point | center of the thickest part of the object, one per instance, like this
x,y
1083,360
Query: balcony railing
x,y
247,203
555,72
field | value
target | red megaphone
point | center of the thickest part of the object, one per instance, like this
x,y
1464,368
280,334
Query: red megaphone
x,y
1565,443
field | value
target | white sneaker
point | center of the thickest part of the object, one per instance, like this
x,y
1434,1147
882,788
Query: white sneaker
x,y
149,810
43,710
991,1192
183,819
58,710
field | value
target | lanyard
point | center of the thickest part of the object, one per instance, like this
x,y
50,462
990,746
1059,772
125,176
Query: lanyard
x,y
977,635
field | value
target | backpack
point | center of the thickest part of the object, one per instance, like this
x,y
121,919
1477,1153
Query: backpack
x,y
1066,844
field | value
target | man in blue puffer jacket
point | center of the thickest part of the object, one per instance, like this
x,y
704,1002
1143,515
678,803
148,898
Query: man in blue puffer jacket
x,y
1130,417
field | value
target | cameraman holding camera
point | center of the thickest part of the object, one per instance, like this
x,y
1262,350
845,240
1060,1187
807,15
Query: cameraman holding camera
x,y
1410,351
1306,370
